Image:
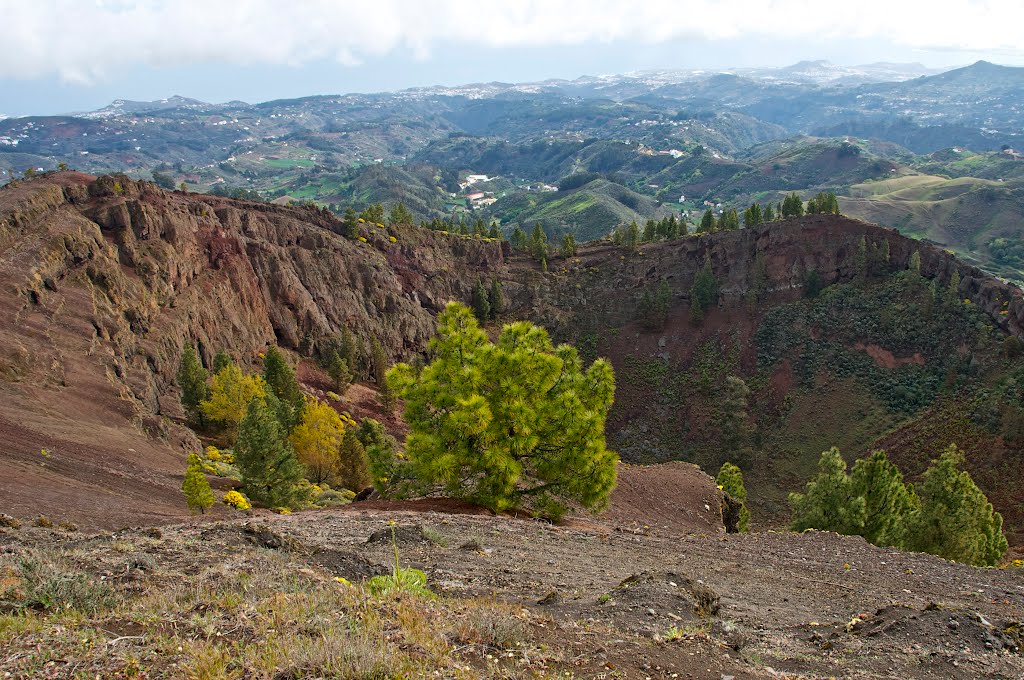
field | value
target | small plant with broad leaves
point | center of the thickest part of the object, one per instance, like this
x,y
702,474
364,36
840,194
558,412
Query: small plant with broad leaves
x,y
401,579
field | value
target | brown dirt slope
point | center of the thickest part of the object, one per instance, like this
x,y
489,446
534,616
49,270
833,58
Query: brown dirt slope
x,y
595,603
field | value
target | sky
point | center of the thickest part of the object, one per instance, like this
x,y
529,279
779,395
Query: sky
x,y
62,56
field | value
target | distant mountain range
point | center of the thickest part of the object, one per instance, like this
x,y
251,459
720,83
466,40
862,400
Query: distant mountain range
x,y
661,141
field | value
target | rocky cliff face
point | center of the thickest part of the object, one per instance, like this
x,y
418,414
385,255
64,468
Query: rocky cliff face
x,y
605,283
102,281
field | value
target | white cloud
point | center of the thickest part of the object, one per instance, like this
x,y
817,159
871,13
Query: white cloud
x,y
83,41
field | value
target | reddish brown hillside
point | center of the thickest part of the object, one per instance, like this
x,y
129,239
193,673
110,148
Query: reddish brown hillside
x,y
103,280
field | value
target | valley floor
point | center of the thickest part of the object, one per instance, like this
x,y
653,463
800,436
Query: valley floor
x,y
601,597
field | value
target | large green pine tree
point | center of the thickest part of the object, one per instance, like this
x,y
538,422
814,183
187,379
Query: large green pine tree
x,y
733,417
830,501
496,298
280,378
192,379
539,243
353,467
221,360
707,222
888,501
270,470
400,215
338,369
513,423
955,519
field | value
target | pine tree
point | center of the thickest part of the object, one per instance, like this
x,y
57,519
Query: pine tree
x,y
373,213
353,467
351,349
769,213
915,262
752,216
568,245
316,439
733,418
400,215
496,298
337,368
518,239
632,237
953,289
650,229
730,220
192,379
860,258
888,501
196,488
539,243
830,501
269,467
379,361
730,480
703,293
707,222
955,519
220,360
792,205
495,232
481,303
350,224
280,379
513,423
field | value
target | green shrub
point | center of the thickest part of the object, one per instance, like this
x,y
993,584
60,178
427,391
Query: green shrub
x,y
44,580
730,480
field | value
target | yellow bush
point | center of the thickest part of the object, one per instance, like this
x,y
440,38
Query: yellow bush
x,y
212,453
362,239
392,239
230,394
237,500
317,437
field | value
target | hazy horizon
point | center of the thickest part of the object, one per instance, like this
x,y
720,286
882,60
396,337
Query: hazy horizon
x,y
65,56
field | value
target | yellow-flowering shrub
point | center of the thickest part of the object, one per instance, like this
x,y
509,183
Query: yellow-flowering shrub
x,y
212,454
392,239
362,239
237,500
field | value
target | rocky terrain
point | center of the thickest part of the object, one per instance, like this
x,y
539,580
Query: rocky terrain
x,y
641,592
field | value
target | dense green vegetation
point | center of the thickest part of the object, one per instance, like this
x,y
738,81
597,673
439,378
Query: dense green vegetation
x,y
946,515
903,313
514,423
286,449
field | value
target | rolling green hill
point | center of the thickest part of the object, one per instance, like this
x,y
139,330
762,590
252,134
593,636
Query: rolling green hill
x,y
980,219
589,212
